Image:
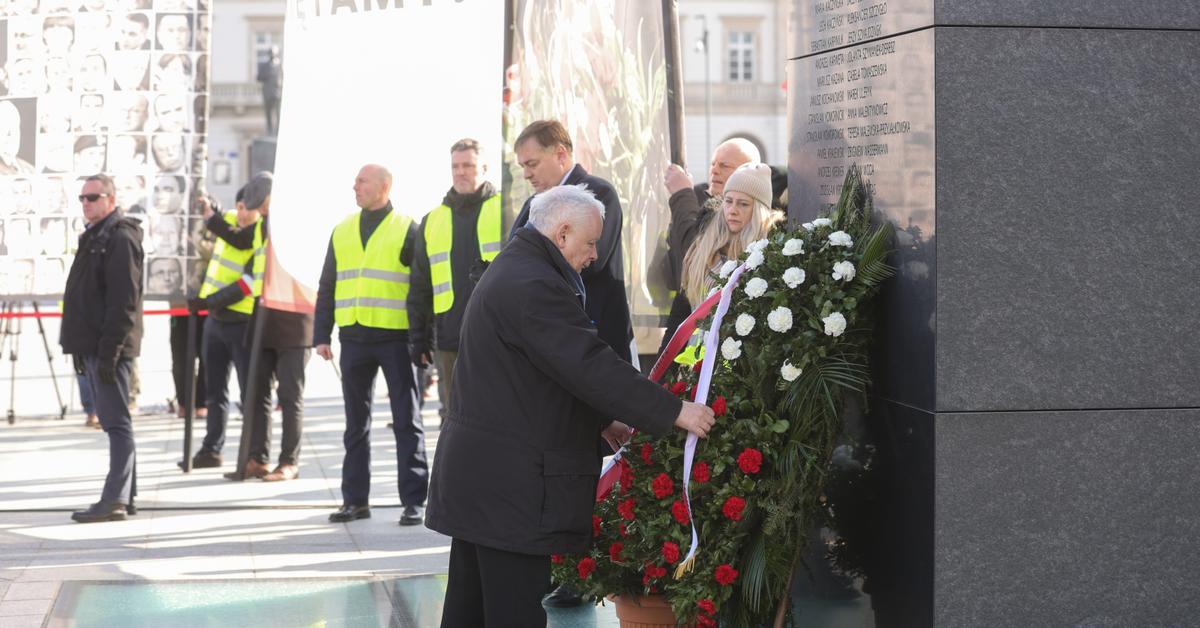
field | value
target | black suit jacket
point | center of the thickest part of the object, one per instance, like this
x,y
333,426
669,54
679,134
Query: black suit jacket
x,y
604,279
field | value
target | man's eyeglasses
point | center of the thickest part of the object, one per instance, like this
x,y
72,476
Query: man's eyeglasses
x,y
91,198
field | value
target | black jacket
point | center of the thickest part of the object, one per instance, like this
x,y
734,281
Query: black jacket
x,y
516,465
102,302
607,303
323,324
688,217
464,256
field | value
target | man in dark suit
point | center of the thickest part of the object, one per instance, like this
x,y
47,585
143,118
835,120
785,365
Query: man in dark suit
x,y
544,151
534,388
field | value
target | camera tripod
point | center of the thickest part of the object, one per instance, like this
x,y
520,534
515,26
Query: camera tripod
x,y
10,335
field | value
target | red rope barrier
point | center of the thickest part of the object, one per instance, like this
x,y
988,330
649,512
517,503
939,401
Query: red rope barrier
x,y
178,311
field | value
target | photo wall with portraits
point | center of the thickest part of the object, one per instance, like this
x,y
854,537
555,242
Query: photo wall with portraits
x,y
118,87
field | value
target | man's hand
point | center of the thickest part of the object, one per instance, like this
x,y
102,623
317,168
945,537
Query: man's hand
x,y
421,356
695,418
197,305
206,207
677,179
325,351
107,372
616,434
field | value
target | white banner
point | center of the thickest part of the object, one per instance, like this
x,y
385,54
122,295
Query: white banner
x,y
392,82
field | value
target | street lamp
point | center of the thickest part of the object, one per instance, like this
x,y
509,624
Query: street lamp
x,y
702,46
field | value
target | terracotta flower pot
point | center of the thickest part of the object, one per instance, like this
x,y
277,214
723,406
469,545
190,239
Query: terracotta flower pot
x,y
649,611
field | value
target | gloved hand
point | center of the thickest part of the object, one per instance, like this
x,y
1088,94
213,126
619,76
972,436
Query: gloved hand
x,y
477,270
77,363
421,355
197,304
107,371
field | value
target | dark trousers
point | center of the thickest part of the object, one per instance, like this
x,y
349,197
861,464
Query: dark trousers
x,y
492,588
224,345
85,394
360,362
285,366
179,326
112,406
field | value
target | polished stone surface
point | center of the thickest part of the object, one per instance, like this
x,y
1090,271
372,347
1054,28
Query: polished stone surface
x,y
818,25
1071,13
1080,518
1066,239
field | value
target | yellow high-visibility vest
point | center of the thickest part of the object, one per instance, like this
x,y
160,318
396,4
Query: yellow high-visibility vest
x,y
372,284
228,263
439,239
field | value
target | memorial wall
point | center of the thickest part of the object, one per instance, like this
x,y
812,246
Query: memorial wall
x,y
1027,456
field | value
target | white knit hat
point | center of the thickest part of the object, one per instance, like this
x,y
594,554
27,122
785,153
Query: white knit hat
x,y
753,180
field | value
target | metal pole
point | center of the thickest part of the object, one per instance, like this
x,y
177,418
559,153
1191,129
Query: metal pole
x,y
14,338
249,396
674,70
189,383
62,407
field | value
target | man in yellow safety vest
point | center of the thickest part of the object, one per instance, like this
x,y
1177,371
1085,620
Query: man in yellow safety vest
x,y
453,243
364,290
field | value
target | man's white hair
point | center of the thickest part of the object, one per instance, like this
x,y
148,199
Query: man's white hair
x,y
563,203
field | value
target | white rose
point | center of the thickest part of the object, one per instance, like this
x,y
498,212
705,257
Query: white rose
x,y
731,348
744,324
755,260
714,290
789,372
822,222
780,319
840,238
793,247
843,271
808,226
756,287
793,277
835,324
727,268
757,245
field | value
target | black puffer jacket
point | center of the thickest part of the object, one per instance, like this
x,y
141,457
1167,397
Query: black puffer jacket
x,y
102,303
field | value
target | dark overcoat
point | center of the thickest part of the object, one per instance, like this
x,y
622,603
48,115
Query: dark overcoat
x,y
516,464
102,301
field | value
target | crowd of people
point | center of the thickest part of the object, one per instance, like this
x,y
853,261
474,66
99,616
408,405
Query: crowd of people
x,y
528,325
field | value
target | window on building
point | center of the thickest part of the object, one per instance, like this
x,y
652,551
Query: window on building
x,y
741,56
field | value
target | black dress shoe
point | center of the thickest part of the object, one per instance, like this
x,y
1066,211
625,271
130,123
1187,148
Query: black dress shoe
x,y
100,511
205,459
350,512
413,516
130,509
562,597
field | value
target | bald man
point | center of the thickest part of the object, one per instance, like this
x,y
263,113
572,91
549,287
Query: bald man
x,y
691,208
364,289
10,141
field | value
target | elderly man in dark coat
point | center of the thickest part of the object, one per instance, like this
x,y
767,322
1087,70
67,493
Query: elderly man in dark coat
x,y
515,475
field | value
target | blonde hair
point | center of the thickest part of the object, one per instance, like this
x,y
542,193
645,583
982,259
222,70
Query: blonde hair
x,y
717,240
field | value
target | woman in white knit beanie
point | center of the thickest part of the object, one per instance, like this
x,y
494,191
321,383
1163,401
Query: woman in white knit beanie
x,y
746,216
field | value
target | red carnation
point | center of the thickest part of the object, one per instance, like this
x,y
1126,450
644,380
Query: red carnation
x,y
723,574
679,510
614,551
697,366
595,525
700,472
662,486
557,559
588,565
647,449
750,460
652,571
626,479
718,406
706,605
733,508
670,552
706,622
678,388
621,528
626,509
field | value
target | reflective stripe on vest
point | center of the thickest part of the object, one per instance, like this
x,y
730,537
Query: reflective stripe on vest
x,y
260,260
227,265
372,284
439,240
